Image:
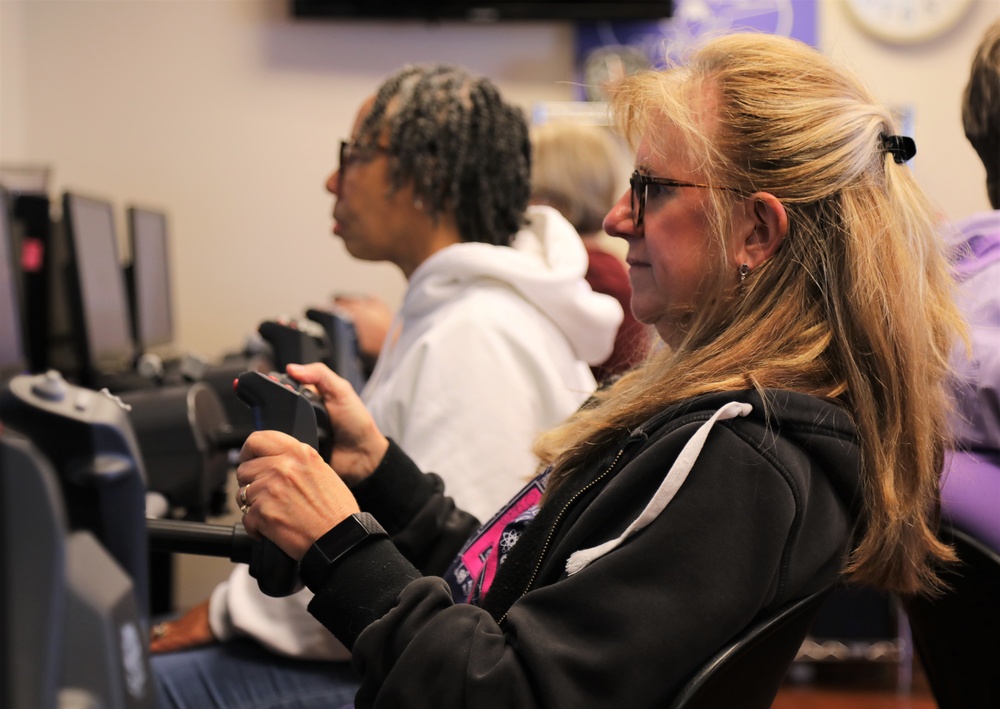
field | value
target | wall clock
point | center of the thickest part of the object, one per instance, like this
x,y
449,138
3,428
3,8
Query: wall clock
x,y
907,21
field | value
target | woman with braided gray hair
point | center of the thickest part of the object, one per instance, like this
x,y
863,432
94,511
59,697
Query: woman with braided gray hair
x,y
491,346
497,324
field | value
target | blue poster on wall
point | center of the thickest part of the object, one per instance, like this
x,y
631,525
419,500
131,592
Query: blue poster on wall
x,y
606,50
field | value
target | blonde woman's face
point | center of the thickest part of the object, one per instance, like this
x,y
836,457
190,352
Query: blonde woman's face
x,y
670,256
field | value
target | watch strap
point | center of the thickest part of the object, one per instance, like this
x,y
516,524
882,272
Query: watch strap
x,y
322,556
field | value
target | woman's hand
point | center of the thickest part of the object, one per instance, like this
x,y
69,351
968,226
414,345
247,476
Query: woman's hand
x,y
288,493
358,445
190,630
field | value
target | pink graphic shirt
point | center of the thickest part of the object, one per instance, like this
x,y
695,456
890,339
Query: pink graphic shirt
x,y
473,570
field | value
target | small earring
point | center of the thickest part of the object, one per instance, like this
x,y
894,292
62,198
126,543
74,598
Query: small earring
x,y
418,203
744,270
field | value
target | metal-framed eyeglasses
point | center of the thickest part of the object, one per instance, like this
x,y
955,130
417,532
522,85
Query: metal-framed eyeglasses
x,y
351,152
640,182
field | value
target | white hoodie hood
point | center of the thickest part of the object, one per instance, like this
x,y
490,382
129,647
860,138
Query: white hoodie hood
x,y
546,266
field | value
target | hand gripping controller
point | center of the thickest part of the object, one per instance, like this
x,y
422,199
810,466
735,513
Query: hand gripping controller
x,y
278,403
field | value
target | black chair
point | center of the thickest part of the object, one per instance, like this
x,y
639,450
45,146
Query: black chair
x,y
748,672
957,635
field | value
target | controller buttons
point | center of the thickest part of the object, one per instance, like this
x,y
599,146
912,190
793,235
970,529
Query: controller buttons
x,y
82,401
50,386
117,399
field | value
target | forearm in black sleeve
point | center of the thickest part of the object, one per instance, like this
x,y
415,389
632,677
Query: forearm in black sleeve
x,y
360,588
422,521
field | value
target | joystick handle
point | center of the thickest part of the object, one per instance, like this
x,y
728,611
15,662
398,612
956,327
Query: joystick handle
x,y
299,342
284,410
277,406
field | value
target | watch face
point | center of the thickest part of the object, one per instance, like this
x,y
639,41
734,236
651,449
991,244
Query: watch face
x,y
907,21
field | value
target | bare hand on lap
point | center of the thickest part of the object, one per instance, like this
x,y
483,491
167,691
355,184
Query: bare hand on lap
x,y
188,631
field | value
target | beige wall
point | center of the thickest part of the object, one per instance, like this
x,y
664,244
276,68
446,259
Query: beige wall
x,y
227,114
928,78
12,81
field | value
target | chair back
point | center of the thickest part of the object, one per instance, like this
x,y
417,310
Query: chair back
x,y
748,672
957,634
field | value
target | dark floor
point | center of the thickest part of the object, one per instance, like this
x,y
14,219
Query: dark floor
x,y
855,685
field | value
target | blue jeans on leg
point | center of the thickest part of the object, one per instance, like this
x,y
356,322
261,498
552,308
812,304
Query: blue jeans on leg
x,y
242,674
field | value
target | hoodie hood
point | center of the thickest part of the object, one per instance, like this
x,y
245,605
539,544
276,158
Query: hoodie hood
x,y
978,244
545,264
800,430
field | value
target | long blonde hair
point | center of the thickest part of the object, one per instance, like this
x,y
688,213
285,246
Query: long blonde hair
x,y
855,306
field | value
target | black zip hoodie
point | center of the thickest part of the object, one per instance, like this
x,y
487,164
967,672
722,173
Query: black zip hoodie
x,y
765,516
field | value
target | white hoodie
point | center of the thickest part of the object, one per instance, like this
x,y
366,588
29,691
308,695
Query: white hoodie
x,y
492,345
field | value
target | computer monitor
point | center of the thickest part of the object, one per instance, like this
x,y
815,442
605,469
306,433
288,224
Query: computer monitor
x,y
486,11
99,300
152,315
13,355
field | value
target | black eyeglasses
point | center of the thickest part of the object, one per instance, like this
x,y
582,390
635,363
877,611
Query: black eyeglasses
x,y
351,152
640,184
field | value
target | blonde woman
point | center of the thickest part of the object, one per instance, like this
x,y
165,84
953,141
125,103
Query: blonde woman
x,y
792,432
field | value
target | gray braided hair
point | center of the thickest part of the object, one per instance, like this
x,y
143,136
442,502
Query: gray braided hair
x,y
465,150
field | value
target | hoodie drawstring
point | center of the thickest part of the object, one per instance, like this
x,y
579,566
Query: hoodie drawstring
x,y
675,477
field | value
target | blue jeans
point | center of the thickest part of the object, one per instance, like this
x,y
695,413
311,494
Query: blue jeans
x,y
244,675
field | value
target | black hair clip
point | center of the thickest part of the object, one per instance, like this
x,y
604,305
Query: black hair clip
x,y
902,147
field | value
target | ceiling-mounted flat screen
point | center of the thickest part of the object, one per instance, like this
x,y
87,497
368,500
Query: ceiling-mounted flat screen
x,y
486,10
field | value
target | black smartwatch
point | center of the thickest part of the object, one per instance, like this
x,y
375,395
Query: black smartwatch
x,y
325,551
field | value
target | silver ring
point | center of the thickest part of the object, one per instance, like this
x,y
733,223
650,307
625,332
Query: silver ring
x,y
244,502
244,508
159,630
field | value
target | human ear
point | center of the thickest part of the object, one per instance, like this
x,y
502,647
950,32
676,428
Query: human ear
x,y
766,225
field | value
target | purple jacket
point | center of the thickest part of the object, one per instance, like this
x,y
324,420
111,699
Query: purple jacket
x,y
971,487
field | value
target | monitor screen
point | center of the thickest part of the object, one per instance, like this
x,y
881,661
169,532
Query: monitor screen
x,y
150,277
13,358
103,304
486,10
